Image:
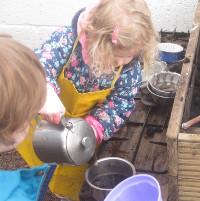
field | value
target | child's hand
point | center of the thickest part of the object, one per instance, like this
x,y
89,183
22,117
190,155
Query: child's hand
x,y
53,107
97,127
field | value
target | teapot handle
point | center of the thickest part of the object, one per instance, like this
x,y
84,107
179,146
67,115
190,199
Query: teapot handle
x,y
68,125
38,120
62,119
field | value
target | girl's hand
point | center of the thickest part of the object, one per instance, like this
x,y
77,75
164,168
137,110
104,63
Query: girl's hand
x,y
53,107
97,127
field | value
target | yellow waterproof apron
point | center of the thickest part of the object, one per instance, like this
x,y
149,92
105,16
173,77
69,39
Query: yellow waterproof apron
x,y
67,180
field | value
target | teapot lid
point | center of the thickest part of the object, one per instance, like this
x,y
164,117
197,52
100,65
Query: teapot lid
x,y
81,140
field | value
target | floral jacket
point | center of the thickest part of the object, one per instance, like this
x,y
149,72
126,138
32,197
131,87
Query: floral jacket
x,y
119,105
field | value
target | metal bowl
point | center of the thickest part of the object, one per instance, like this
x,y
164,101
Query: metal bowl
x,y
164,83
147,73
161,100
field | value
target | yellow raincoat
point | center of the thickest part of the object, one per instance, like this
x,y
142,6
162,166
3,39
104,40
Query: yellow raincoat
x,y
67,180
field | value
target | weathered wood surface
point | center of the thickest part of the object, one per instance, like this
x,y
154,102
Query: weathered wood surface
x,y
178,108
189,166
148,152
133,145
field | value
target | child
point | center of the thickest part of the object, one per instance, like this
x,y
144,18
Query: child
x,y
94,67
23,93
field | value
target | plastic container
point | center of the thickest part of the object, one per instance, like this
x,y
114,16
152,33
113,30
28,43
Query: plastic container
x,y
140,187
170,52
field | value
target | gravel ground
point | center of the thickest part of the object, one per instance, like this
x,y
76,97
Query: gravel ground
x,y
12,160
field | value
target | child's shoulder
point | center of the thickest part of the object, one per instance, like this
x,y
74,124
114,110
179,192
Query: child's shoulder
x,y
130,74
63,30
62,34
132,68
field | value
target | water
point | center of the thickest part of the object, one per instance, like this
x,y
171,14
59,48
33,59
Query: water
x,y
108,181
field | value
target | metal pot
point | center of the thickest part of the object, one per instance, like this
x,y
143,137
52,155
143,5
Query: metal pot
x,y
156,67
164,83
158,99
71,142
170,52
107,173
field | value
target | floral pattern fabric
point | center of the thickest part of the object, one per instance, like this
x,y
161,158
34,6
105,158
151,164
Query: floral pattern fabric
x,y
119,105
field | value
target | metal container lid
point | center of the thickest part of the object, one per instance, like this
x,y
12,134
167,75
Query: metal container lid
x,y
81,140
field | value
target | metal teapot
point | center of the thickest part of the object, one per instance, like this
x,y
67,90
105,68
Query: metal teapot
x,y
71,142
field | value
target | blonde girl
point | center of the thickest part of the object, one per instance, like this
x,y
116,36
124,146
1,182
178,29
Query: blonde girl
x,y
93,71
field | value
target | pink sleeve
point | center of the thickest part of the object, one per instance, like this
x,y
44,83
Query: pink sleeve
x,y
97,126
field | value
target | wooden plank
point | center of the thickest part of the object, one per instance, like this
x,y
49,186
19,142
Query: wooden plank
x,y
192,145
188,102
189,137
148,152
189,189
190,195
189,156
188,161
189,182
188,199
188,166
189,150
194,168
189,174
178,109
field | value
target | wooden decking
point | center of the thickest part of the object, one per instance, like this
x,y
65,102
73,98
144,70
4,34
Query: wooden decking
x,y
132,142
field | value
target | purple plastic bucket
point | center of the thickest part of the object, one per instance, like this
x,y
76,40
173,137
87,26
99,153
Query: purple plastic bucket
x,y
140,187
170,52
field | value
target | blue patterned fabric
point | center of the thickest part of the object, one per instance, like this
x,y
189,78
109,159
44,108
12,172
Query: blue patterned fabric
x,y
119,105
25,184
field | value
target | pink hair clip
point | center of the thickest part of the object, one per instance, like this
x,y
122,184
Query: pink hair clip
x,y
115,34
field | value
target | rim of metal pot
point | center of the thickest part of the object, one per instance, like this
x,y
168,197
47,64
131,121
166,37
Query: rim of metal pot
x,y
103,159
159,90
160,45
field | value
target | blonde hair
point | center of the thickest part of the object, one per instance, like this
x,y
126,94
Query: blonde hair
x,y
22,86
135,28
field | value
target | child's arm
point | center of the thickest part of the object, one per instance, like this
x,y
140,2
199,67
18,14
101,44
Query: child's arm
x,y
53,55
53,107
119,105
